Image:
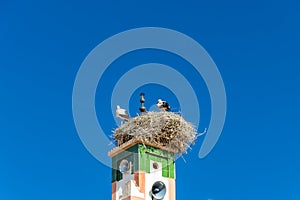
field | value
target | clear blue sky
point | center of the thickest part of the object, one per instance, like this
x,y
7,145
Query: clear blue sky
x,y
255,45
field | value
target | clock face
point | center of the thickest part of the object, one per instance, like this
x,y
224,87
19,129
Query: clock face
x,y
124,166
158,190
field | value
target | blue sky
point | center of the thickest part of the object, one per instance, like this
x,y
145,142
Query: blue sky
x,y
254,44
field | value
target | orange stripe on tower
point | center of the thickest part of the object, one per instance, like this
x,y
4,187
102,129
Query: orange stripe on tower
x,y
139,178
114,189
172,192
133,198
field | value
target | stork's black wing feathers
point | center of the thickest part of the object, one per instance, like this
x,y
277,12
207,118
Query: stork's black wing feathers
x,y
166,105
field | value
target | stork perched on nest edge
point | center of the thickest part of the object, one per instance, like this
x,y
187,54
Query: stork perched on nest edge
x,y
163,105
122,114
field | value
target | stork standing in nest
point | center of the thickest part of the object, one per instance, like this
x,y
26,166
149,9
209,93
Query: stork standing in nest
x,y
163,105
122,114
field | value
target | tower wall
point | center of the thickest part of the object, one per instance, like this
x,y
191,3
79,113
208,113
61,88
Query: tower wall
x,y
148,165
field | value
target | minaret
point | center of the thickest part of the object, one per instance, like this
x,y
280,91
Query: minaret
x,y
142,172
143,163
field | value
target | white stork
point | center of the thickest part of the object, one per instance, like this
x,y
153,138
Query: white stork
x,y
163,105
122,114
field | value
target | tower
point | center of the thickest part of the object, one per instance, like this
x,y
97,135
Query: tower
x,y
143,163
142,171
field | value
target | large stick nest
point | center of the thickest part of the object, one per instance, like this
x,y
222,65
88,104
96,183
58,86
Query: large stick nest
x,y
163,129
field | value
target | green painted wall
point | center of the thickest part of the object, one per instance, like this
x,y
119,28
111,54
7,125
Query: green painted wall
x,y
140,156
131,155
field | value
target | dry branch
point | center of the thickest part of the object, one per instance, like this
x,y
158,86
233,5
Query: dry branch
x,y
165,129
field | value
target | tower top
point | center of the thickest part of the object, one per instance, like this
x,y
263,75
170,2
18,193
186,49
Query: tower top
x,y
142,101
